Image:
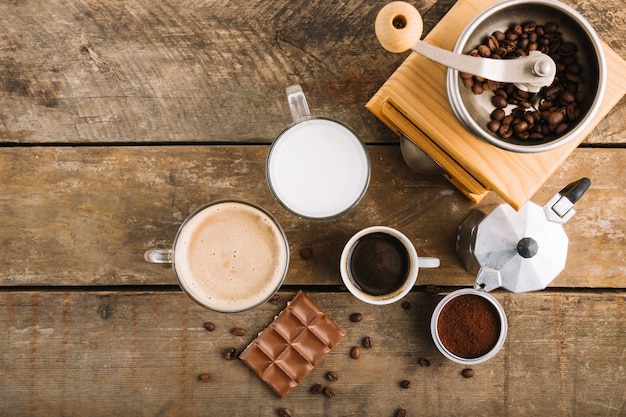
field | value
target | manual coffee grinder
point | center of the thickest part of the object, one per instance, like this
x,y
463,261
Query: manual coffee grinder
x,y
420,101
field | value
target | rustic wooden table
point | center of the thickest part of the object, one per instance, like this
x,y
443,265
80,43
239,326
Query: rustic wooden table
x,y
119,118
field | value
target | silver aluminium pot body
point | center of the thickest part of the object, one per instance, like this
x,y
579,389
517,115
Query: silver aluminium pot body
x,y
521,250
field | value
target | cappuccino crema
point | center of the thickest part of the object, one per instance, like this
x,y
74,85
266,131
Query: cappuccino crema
x,y
230,256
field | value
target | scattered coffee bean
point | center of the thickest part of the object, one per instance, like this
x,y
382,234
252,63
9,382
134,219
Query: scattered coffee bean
x,y
329,392
316,389
356,317
368,343
433,289
306,253
424,362
406,384
467,373
332,376
276,299
230,354
284,412
406,305
209,326
204,377
355,352
238,331
401,413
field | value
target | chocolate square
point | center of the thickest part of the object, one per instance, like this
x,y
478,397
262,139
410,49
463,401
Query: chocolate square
x,y
290,347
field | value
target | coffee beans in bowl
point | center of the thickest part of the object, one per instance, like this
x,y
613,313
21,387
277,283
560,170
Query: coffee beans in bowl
x,y
506,115
469,326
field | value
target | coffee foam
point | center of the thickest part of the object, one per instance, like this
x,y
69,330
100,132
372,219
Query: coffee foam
x,y
318,168
230,256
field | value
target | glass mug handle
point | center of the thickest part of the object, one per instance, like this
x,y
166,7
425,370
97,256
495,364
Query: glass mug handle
x,y
297,103
158,256
428,262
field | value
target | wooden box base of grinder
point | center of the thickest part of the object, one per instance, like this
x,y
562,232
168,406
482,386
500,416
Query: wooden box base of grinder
x,y
413,103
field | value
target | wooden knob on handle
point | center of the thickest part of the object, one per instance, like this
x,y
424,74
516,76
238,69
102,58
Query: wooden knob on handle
x,y
398,26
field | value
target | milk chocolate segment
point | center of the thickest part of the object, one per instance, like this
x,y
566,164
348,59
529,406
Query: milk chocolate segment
x,y
290,347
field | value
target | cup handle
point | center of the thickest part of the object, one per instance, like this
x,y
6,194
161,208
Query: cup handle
x,y
158,256
297,103
428,262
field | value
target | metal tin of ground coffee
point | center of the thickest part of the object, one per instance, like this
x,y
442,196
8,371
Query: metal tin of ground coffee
x,y
469,326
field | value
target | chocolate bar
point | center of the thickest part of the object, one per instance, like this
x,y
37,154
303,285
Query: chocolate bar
x,y
290,347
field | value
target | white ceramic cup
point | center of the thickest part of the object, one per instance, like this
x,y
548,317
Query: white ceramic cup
x,y
317,168
404,282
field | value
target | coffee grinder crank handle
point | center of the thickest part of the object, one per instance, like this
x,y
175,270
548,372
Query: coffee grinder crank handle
x,y
399,28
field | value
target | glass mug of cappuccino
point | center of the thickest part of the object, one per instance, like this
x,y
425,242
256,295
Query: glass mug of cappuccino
x,y
379,265
317,168
228,256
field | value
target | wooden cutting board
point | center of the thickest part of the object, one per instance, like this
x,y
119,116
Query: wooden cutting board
x,y
413,102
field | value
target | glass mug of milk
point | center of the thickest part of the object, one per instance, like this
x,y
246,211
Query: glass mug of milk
x,y
317,168
228,256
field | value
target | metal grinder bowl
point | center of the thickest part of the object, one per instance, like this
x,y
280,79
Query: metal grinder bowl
x,y
474,110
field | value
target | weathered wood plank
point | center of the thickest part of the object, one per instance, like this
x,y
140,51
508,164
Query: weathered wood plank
x,y
103,354
185,71
84,216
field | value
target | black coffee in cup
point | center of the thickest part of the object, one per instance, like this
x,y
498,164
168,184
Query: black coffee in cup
x,y
379,264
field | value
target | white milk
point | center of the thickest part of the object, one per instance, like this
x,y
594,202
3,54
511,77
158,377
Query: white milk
x,y
318,168
230,257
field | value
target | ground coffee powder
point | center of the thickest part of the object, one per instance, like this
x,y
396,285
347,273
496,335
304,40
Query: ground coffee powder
x,y
469,326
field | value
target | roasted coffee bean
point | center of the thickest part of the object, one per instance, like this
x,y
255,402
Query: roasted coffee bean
x,y
204,377
562,128
329,392
356,317
209,326
284,412
406,384
477,88
520,126
505,131
432,289
498,114
230,354
332,376
406,305
484,51
555,118
368,343
276,299
316,389
402,413
522,135
551,27
574,78
355,352
494,125
499,101
306,253
238,331
467,373
424,362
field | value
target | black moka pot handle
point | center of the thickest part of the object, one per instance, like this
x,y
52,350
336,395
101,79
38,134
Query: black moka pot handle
x,y
575,190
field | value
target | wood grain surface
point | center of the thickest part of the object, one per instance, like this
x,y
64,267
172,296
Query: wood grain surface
x,y
119,118
144,71
85,216
141,353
